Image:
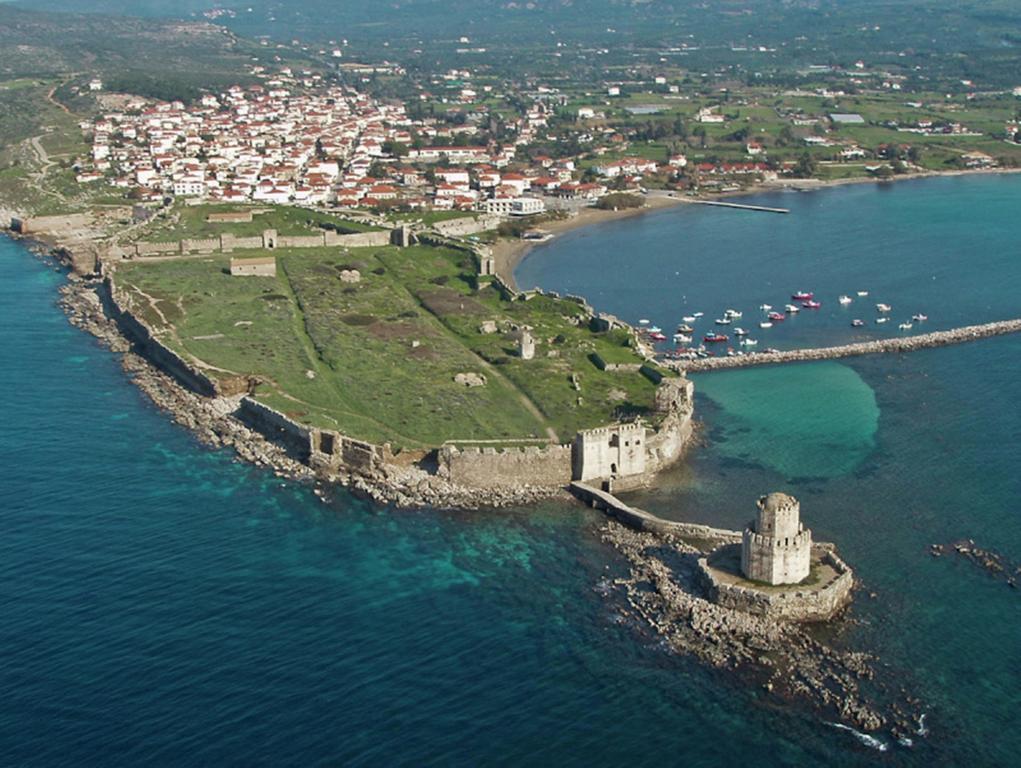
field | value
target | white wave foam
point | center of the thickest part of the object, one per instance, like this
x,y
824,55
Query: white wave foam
x,y
864,738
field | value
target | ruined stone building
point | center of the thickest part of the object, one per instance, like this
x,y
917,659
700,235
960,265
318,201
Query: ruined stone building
x,y
775,548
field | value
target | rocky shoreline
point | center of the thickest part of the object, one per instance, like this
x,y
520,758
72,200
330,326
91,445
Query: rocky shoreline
x,y
663,592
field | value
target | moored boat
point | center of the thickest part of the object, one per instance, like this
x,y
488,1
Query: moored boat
x,y
906,326
777,317
732,313
765,324
845,299
919,318
811,304
643,321
802,296
792,309
740,332
657,336
681,338
765,307
857,323
715,338
697,315
689,318
863,293
723,321
883,307
882,320
685,328
749,342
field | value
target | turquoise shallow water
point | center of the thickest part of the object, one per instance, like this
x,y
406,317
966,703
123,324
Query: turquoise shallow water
x,y
164,605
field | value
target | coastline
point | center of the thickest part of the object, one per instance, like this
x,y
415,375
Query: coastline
x,y
510,253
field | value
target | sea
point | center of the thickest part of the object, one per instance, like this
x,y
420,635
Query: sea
x,y
164,604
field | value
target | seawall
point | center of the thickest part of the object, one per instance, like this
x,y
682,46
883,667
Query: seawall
x,y
881,346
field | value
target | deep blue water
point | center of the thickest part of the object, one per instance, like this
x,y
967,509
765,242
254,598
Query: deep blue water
x,y
163,604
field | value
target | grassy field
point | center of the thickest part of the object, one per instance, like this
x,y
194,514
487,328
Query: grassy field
x,y
377,359
189,221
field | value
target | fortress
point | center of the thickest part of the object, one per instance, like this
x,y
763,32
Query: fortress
x,y
775,548
758,571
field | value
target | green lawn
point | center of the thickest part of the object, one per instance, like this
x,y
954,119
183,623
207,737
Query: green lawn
x,y
377,359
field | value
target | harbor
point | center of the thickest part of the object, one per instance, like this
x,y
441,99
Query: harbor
x,y
880,346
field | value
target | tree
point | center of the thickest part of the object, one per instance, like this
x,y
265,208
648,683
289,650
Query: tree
x,y
805,167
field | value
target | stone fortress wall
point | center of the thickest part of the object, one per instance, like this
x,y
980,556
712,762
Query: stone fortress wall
x,y
818,603
486,467
268,240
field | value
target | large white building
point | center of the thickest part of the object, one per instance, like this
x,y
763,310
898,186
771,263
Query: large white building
x,y
515,206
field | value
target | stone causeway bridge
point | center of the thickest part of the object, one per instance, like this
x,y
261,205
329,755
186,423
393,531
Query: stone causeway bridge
x,y
880,346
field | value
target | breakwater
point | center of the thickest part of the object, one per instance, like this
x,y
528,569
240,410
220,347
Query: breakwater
x,y
880,346
740,206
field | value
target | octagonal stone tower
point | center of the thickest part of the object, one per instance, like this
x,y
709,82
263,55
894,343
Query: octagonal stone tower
x,y
775,548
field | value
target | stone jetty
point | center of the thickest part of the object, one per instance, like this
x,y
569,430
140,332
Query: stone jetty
x,y
880,346
740,206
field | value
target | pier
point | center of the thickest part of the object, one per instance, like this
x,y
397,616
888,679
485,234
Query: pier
x,y
881,346
741,206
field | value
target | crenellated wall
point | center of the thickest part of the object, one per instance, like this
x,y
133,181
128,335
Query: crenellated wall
x,y
227,243
816,603
490,468
275,426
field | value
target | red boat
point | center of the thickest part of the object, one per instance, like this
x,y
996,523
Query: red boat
x,y
803,296
657,337
811,304
777,317
715,338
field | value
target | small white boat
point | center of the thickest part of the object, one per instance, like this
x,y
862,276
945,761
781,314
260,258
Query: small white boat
x,y
681,338
863,293
748,342
643,321
845,299
882,320
765,307
733,313
740,332
792,309
689,318
655,329
765,324
723,321
919,318
698,314
906,326
883,307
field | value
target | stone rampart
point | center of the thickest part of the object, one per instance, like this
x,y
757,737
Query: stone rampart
x,y
230,242
157,249
204,246
302,241
903,344
276,427
548,466
359,239
154,350
814,603
227,243
50,224
467,225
